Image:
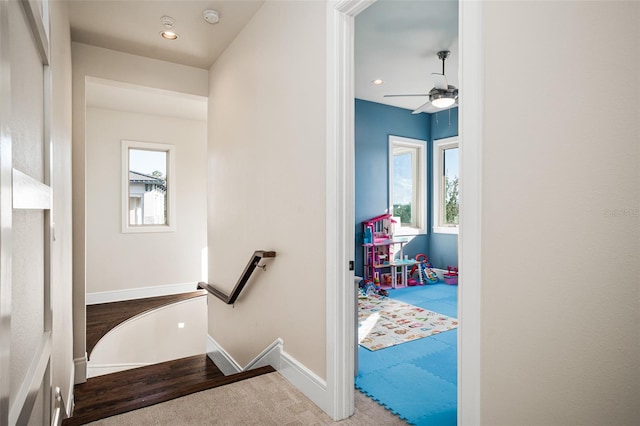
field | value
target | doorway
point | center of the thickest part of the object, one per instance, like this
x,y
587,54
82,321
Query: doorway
x,y
340,198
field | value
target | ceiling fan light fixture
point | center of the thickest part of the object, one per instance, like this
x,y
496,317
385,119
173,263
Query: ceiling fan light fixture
x,y
442,100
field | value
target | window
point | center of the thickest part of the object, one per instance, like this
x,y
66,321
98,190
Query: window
x,y
446,196
148,187
407,184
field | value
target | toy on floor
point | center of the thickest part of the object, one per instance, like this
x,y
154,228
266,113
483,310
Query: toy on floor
x,y
451,277
425,273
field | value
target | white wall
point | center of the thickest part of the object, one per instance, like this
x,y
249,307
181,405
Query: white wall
x,y
89,61
117,261
266,183
561,213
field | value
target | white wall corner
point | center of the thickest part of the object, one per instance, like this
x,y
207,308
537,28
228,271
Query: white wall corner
x,y
80,368
139,293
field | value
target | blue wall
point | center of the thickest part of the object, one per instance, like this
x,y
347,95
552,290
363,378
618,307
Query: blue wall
x,y
373,124
443,247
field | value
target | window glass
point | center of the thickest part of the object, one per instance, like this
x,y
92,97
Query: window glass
x,y
407,184
451,195
147,187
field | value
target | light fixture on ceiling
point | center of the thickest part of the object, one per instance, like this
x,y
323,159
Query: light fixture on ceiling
x,y
168,33
442,99
211,16
377,82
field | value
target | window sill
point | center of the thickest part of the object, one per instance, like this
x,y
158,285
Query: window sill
x,y
409,232
445,230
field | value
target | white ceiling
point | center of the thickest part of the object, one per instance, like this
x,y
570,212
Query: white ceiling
x,y
395,40
133,26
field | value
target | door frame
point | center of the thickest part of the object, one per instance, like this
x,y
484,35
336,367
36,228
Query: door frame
x,y
340,212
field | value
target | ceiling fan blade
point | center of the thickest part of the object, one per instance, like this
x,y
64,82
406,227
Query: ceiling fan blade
x,y
414,94
421,108
440,81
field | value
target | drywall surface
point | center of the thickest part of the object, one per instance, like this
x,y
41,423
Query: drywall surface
x,y
267,183
120,261
561,214
175,331
89,61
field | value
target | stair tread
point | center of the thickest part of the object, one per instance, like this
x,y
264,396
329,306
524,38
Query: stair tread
x,y
124,391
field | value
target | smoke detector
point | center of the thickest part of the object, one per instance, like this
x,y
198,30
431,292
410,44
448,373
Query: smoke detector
x,y
211,16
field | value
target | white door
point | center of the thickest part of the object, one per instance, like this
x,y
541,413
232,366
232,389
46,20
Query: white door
x,y
25,214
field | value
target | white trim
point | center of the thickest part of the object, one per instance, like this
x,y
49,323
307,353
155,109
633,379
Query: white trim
x,y
312,386
340,214
25,398
221,358
228,365
439,145
170,182
80,368
69,400
470,246
420,196
138,293
29,193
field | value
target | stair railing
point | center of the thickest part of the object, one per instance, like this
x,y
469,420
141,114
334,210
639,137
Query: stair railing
x,y
254,262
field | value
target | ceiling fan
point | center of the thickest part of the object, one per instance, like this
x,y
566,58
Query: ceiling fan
x,y
442,95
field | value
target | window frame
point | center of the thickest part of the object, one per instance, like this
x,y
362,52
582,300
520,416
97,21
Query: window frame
x,y
170,183
439,146
420,146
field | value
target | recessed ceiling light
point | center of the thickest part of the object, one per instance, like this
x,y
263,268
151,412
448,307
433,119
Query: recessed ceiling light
x,y
168,33
377,82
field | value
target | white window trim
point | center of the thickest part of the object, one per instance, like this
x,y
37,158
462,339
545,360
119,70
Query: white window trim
x,y
439,146
421,202
171,187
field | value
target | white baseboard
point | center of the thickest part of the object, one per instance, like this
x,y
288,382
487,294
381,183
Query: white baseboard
x,y
305,380
101,369
221,358
80,367
312,386
139,293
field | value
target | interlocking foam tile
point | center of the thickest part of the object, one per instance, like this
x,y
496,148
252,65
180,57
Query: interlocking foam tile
x,y
446,417
449,338
409,391
369,361
416,380
442,364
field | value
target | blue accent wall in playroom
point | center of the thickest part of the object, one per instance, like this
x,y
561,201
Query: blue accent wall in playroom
x,y
373,124
443,247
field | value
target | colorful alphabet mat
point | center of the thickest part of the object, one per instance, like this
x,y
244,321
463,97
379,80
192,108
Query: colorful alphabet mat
x,y
385,322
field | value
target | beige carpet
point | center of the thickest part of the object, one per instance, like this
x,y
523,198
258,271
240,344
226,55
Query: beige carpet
x,y
265,400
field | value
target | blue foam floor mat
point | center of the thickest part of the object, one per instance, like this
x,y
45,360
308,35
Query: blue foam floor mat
x,y
416,380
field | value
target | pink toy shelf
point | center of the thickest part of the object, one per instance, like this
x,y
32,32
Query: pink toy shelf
x,y
380,252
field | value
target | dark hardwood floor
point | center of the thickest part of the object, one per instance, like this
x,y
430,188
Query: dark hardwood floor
x,y
105,316
118,393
